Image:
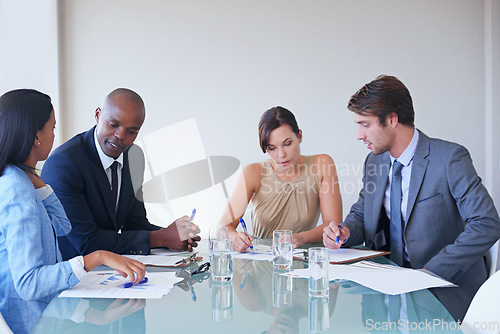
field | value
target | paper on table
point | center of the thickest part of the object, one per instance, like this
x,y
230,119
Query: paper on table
x,y
387,279
260,253
110,285
157,260
343,255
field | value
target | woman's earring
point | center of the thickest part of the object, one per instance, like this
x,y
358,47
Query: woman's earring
x,y
38,143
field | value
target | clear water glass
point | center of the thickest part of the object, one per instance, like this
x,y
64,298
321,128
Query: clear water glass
x,y
282,249
221,260
319,262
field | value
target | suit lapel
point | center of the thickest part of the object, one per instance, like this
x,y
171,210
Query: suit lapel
x,y
100,174
417,172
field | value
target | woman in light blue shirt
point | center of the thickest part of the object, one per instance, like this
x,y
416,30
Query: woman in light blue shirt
x,y
31,217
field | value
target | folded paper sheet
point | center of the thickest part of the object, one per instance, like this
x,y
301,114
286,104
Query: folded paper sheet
x,y
391,280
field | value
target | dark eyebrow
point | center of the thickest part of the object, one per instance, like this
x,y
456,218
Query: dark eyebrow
x,y
131,128
286,139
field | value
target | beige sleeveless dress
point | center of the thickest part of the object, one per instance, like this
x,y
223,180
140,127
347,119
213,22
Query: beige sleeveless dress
x,y
280,205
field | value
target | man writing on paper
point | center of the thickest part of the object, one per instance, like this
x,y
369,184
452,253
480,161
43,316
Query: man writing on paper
x,y
91,175
421,199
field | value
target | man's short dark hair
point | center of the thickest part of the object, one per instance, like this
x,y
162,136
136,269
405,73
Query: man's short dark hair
x,y
383,96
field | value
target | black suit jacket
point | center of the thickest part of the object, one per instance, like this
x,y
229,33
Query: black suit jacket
x,y
75,172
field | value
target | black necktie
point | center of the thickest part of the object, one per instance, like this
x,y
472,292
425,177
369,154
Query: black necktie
x,y
396,229
114,181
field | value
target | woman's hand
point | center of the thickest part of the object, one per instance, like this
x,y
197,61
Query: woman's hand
x,y
298,239
135,270
240,241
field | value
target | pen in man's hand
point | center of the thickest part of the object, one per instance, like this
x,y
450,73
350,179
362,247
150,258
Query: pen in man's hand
x,y
191,218
242,222
340,231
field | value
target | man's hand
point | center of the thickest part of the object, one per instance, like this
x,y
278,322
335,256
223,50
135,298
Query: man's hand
x,y
330,234
180,235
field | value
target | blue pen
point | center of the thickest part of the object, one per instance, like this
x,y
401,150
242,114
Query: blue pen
x,y
242,222
340,231
191,218
130,284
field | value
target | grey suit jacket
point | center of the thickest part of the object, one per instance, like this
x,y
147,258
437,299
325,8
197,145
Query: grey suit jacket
x,y
451,219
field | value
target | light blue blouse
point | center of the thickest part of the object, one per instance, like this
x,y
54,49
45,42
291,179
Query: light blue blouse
x,y
31,266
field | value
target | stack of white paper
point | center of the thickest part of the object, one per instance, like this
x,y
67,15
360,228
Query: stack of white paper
x,y
387,279
109,284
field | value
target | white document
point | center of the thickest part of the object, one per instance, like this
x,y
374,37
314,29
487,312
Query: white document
x,y
348,254
391,280
157,260
260,253
109,284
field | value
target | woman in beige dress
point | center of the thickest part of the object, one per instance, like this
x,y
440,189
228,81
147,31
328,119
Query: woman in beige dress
x,y
287,191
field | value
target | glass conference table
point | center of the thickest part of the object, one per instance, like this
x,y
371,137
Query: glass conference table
x,y
258,300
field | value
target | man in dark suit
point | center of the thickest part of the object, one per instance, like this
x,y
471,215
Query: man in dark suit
x,y
421,199
91,176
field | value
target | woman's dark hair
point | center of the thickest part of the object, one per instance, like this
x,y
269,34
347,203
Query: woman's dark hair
x,y
273,119
22,113
383,96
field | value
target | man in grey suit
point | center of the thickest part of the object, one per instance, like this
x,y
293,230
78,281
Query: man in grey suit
x,y
421,199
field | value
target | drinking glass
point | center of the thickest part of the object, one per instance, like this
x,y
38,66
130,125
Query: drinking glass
x,y
216,233
221,259
319,261
282,249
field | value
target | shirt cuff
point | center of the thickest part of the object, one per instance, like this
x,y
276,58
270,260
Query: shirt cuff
x,y
78,267
44,192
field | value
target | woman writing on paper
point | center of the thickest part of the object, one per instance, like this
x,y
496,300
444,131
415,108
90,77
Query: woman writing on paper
x,y
31,216
287,191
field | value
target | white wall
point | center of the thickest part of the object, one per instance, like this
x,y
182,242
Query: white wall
x,y
29,48
224,62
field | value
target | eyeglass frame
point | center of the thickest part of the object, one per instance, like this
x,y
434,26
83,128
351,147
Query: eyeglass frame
x,y
202,268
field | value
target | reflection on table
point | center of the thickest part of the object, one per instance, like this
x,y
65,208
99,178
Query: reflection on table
x,y
257,300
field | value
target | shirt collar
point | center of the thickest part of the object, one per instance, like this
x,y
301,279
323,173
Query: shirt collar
x,y
409,152
105,160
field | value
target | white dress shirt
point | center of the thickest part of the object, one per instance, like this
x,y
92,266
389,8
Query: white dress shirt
x,y
406,159
106,164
